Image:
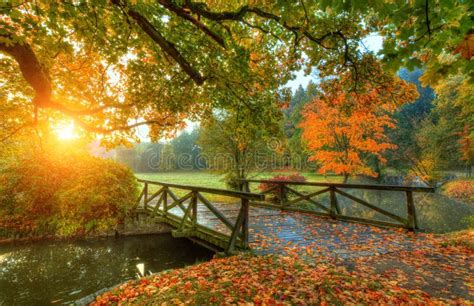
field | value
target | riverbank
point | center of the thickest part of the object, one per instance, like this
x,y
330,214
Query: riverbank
x,y
440,273
137,225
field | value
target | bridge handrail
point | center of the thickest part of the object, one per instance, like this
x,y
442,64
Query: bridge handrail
x,y
281,188
224,192
344,185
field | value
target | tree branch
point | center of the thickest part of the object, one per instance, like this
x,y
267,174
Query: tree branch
x,y
101,130
15,131
202,10
165,45
185,15
428,27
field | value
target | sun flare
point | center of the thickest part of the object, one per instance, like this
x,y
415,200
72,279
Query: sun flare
x,y
66,131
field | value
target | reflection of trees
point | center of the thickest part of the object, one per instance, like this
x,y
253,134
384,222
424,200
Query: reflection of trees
x,y
435,212
48,271
441,214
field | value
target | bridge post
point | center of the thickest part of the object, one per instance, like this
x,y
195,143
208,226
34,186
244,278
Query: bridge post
x,y
238,227
145,196
194,202
165,201
282,193
411,211
332,192
245,224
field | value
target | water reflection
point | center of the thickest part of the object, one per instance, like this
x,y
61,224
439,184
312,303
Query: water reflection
x,y
61,272
436,213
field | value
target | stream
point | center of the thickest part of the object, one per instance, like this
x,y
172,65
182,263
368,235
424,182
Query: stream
x,y
61,272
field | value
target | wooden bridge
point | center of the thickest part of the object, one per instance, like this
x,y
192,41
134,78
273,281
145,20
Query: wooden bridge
x,y
280,211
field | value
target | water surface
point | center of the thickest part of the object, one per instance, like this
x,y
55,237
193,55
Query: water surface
x,y
63,271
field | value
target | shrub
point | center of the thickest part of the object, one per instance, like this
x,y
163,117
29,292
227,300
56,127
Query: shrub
x,y
462,190
274,193
66,194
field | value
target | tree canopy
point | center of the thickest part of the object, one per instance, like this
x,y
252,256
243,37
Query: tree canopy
x,y
114,65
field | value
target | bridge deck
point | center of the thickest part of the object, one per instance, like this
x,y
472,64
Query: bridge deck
x,y
283,232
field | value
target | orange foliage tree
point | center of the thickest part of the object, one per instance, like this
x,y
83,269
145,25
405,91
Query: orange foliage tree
x,y
345,130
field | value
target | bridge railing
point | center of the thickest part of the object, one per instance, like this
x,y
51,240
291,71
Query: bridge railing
x,y
282,190
160,202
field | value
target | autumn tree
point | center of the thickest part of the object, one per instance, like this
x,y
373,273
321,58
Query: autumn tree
x,y
344,130
111,66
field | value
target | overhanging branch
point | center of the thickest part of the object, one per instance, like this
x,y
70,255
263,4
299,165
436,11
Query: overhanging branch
x,y
102,130
185,15
165,45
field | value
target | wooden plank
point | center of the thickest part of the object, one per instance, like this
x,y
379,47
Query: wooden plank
x,y
140,198
289,208
336,204
165,200
373,207
145,195
193,203
282,194
176,199
236,229
353,186
245,224
308,198
412,220
313,194
186,214
154,195
212,236
158,204
367,221
224,192
270,189
332,193
215,211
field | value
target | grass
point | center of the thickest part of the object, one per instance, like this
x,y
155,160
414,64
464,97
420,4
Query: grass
x,y
215,180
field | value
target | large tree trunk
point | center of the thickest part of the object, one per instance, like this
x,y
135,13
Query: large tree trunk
x,y
31,70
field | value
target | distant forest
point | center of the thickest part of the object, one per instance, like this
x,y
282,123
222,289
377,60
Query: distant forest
x,y
428,136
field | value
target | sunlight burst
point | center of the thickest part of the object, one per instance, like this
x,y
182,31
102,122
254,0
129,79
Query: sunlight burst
x,y
66,131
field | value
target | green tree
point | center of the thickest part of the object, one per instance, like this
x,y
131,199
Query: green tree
x,y
128,157
149,155
409,118
444,134
186,150
296,148
242,139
